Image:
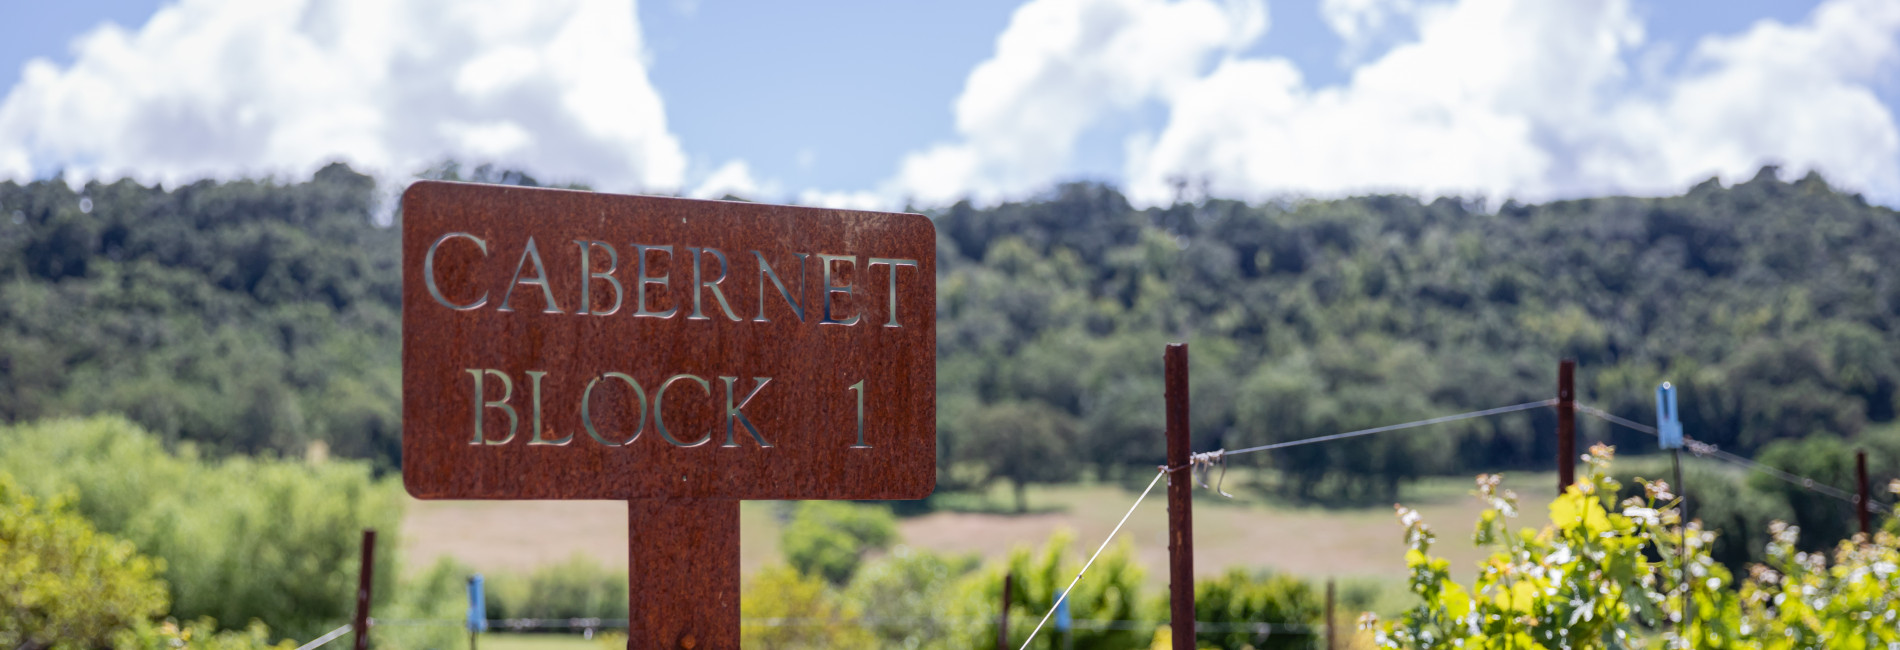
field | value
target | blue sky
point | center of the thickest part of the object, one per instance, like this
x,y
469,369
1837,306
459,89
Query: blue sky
x,y
875,104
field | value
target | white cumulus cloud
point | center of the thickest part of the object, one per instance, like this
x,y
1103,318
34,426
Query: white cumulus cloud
x,y
1060,66
734,178
1536,100
1519,98
234,87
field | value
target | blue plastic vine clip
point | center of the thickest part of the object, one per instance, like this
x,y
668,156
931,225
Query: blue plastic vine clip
x,y
477,606
1668,419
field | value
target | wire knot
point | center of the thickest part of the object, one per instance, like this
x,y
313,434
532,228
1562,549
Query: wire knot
x,y
1203,464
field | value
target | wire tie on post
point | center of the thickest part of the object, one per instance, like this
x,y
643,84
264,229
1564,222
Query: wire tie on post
x,y
1204,463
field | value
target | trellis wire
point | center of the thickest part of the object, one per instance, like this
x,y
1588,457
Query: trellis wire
x,y
1707,450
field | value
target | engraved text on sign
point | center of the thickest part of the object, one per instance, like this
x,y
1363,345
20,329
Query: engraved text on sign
x,y
573,345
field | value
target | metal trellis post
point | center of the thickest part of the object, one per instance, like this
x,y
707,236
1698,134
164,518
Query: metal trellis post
x,y
1180,503
1566,424
364,578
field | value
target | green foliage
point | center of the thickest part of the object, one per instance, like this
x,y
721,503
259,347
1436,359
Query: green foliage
x,y
916,600
263,317
577,588
254,316
1829,460
244,316
913,600
439,593
1797,600
1726,499
786,608
1599,578
1764,301
241,539
1241,598
1111,592
828,539
201,634
64,585
1023,443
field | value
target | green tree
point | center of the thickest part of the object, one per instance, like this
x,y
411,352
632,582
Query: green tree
x,y
1023,443
828,539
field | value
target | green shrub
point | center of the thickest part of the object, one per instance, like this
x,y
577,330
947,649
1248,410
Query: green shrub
x,y
241,539
1721,497
785,608
1111,592
1240,597
1604,576
64,584
577,588
903,597
828,539
438,595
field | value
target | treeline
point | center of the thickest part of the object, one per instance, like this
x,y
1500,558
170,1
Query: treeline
x,y
256,317
246,317
1769,303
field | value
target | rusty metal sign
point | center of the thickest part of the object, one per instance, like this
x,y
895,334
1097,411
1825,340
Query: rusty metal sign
x,y
573,345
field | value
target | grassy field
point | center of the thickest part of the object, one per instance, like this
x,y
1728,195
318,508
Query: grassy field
x,y
1250,531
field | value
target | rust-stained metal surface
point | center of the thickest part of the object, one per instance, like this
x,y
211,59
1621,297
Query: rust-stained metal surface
x,y
1567,424
1180,500
697,342
683,573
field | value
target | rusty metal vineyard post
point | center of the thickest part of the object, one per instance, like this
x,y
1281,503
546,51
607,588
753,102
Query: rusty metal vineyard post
x,y
1180,501
365,577
1002,618
1332,631
1862,504
1566,424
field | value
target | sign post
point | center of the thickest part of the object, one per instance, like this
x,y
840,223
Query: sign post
x,y
680,355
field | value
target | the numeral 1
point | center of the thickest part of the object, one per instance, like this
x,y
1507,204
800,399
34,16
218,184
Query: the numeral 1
x,y
859,389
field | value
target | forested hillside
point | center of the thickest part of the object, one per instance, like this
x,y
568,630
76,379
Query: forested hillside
x,y
260,317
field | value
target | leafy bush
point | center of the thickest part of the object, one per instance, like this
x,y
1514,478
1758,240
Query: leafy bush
x,y
1597,577
1722,497
916,599
1240,597
63,584
241,539
1112,592
786,608
1797,600
828,539
439,594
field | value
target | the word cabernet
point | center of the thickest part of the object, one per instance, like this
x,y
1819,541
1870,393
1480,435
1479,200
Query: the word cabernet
x,y
597,278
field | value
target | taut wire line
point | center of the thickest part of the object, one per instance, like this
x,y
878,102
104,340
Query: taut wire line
x,y
1707,450
1217,456
1091,562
